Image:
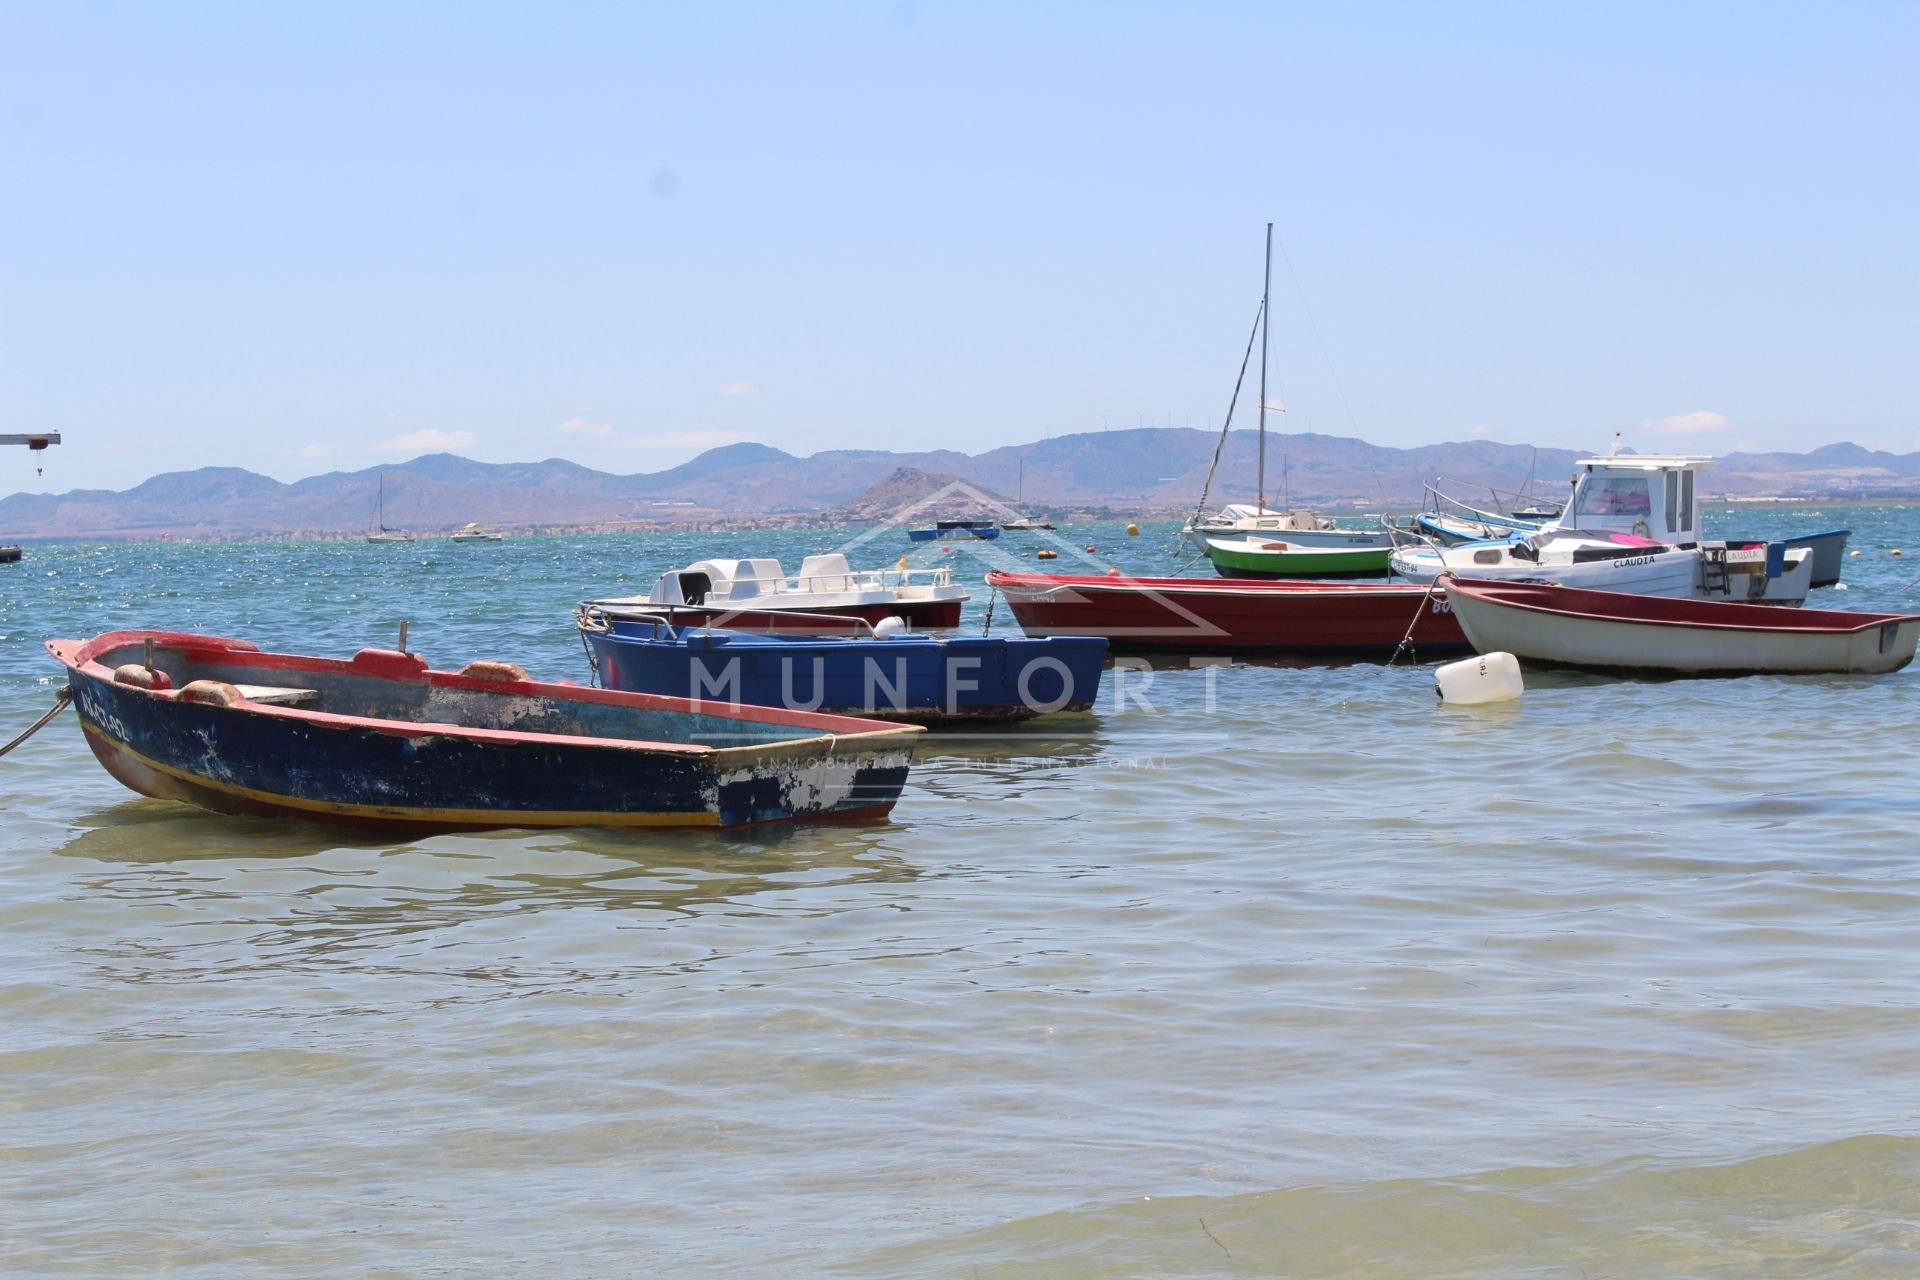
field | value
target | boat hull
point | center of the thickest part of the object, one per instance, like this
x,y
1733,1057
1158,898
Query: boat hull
x,y
1262,559
439,751
1231,617
1640,635
1665,572
923,679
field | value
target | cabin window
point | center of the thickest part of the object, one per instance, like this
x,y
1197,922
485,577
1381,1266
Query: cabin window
x,y
1673,508
1686,501
1615,496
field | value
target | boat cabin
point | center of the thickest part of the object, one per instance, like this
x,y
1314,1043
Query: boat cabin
x,y
1648,495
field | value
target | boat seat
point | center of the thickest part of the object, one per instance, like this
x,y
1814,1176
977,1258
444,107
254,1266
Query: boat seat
x,y
276,695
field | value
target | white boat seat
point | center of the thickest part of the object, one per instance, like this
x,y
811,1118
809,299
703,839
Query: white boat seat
x,y
275,695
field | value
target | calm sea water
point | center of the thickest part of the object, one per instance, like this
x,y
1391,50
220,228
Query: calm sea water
x,y
1314,978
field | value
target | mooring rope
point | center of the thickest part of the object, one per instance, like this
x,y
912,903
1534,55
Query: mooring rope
x,y
1425,600
60,701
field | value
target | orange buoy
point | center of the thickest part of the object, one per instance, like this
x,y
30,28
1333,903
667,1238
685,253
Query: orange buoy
x,y
1133,531
1044,554
1114,572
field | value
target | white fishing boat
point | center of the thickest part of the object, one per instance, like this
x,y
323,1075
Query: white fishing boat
x,y
759,593
1640,634
1632,525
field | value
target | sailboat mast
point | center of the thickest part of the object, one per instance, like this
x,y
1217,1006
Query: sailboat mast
x,y
1266,290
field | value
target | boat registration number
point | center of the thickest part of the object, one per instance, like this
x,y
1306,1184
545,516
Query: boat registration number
x,y
1630,561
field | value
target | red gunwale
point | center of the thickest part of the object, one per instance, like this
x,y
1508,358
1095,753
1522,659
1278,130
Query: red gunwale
x,y
83,656
1202,586
1665,611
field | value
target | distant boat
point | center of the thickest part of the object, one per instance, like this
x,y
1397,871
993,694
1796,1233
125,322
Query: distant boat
x,y
1023,524
955,529
9,555
474,533
382,533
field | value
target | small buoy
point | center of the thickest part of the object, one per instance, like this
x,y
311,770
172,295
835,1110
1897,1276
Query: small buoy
x,y
1854,552
1894,552
891,625
902,564
1044,554
1089,548
1133,531
1491,677
1114,572
947,550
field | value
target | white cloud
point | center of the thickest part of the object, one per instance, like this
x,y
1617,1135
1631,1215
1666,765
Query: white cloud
x,y
580,426
738,387
430,440
1686,424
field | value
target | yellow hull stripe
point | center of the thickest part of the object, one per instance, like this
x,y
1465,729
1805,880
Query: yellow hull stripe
x,y
470,817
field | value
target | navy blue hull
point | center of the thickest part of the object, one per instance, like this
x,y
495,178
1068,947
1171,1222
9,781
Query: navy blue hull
x,y
277,760
914,677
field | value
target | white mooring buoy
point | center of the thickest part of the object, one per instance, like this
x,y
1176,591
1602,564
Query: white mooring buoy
x,y
1491,677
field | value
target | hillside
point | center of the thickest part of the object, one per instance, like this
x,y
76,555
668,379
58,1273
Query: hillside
x,y
1144,471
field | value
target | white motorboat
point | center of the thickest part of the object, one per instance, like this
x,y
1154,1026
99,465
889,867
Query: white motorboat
x,y
474,533
1639,634
759,593
1632,525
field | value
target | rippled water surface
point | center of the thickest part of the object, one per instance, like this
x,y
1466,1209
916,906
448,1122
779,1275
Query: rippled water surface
x,y
1277,970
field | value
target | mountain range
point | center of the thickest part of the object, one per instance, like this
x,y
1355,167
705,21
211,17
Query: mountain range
x,y
1144,472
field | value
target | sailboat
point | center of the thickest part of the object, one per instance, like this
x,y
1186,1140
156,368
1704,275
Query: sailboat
x,y
382,533
1299,528
1020,523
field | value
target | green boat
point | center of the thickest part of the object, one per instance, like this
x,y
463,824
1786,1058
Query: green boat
x,y
1271,558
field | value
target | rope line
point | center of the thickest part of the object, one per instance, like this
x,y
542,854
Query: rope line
x,y
60,702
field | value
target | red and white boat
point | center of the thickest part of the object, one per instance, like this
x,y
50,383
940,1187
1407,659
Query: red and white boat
x,y
1659,635
758,594
1234,616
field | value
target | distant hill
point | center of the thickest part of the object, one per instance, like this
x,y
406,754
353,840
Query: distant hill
x,y
1154,470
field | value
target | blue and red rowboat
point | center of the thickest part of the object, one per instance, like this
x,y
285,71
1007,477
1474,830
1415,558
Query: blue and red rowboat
x,y
902,676
382,741
1234,616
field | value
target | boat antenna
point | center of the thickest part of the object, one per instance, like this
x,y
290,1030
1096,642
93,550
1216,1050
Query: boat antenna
x,y
1266,290
1238,382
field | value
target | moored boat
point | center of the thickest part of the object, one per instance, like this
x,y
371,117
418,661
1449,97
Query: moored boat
x,y
757,594
955,529
1635,634
475,533
1271,558
9,555
1231,616
383,741
895,675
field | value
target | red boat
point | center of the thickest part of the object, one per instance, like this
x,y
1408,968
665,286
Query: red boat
x,y
1234,616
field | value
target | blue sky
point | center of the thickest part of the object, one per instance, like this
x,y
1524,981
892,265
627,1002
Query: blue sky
x,y
306,238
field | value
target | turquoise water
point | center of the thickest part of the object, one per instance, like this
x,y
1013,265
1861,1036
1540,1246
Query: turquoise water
x,y
1308,977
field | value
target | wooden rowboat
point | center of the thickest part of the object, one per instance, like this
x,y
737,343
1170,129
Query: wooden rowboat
x,y
1620,632
1231,616
382,741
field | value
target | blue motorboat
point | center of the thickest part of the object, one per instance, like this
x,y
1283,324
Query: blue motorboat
x,y
955,529
906,675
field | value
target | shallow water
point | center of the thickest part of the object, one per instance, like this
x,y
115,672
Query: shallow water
x,y
1312,978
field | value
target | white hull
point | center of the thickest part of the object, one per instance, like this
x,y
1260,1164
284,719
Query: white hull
x,y
1679,648
1657,573
1278,526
